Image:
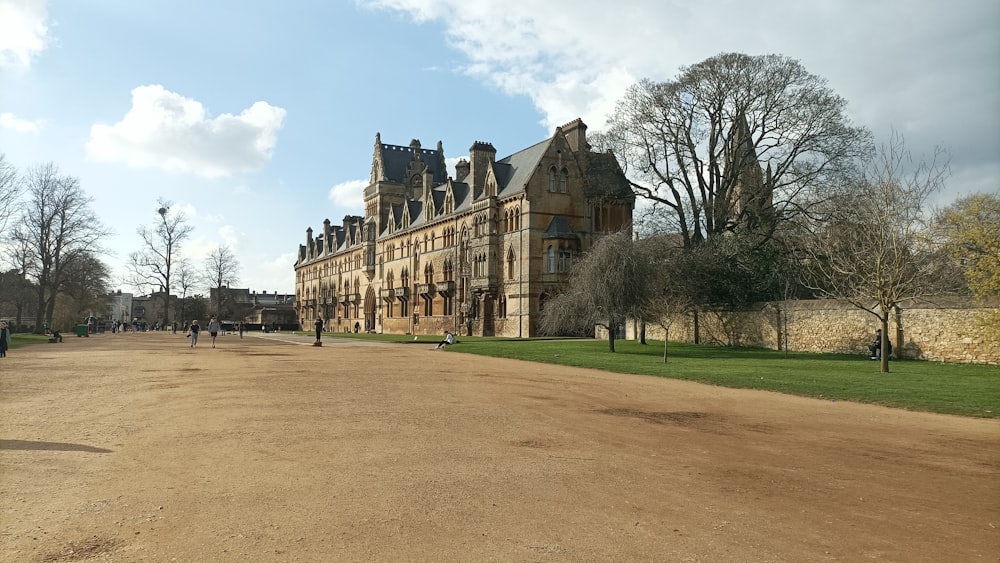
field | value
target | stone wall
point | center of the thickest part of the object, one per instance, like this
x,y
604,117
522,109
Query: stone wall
x,y
946,330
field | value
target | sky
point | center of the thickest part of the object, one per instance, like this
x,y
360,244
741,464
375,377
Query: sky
x,y
258,119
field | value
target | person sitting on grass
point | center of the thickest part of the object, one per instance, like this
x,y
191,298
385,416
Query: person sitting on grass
x,y
875,349
449,338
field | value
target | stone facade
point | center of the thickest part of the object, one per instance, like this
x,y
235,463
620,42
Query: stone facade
x,y
944,329
476,254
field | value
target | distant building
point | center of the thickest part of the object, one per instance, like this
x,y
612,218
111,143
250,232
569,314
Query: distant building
x,y
252,308
118,307
476,254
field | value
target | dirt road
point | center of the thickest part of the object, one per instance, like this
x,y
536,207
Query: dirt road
x,y
136,447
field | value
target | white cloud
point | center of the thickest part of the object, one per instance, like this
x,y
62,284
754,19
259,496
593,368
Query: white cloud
x,y
927,68
23,31
276,274
168,131
349,194
10,121
230,236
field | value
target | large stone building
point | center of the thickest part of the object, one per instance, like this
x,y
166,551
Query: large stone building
x,y
477,254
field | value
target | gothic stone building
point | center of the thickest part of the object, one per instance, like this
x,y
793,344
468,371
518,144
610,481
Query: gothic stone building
x,y
477,254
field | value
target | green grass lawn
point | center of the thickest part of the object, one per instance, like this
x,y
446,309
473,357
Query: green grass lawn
x,y
962,389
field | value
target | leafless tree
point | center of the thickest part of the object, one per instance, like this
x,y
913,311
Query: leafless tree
x,y
606,287
874,252
152,266
734,141
10,189
57,230
222,269
669,293
185,279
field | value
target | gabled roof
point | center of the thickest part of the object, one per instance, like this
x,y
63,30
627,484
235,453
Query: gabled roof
x,y
514,171
605,178
559,228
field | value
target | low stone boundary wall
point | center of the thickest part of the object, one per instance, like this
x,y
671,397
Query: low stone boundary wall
x,y
945,329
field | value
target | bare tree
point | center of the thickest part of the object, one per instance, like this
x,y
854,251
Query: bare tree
x,y
874,252
222,270
56,229
734,141
185,279
152,266
670,291
10,189
606,287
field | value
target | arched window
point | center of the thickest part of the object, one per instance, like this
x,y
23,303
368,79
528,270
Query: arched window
x,y
552,259
563,174
552,179
510,263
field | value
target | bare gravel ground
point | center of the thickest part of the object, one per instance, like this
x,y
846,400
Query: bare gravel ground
x,y
136,447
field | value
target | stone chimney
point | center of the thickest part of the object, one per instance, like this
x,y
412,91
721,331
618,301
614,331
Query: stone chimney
x,y
576,134
481,157
327,245
461,170
309,242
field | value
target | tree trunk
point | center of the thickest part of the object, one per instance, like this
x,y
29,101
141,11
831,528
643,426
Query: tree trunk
x,y
666,338
642,332
611,337
40,311
697,329
884,355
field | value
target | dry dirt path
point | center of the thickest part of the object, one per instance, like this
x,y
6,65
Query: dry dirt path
x,y
137,448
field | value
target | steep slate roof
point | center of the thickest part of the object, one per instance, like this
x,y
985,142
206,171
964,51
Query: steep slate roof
x,y
396,160
514,171
416,212
463,196
605,178
559,228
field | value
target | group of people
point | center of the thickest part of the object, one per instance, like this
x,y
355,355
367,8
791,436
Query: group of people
x,y
214,327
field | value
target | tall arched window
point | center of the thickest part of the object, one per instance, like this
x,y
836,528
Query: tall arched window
x,y
552,179
510,263
552,259
563,174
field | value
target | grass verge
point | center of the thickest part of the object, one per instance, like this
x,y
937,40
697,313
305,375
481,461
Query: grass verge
x,y
946,388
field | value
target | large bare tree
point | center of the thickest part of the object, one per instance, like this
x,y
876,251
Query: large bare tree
x,y
222,269
152,266
734,141
874,250
57,229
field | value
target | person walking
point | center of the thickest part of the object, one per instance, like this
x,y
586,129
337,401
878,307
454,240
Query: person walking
x,y
319,329
193,333
4,339
241,330
213,329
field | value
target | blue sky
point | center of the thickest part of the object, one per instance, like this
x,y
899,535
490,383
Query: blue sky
x,y
257,119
